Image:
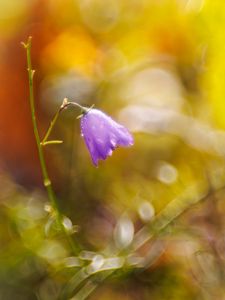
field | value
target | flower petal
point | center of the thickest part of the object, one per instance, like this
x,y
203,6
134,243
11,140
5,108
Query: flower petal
x,y
102,134
123,137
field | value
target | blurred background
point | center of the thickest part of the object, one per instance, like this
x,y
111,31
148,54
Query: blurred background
x,y
155,66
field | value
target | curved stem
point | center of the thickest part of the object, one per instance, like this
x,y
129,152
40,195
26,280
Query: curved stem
x,y
44,141
64,105
46,180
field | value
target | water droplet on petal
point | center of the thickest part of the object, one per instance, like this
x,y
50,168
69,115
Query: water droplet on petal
x,y
113,143
110,152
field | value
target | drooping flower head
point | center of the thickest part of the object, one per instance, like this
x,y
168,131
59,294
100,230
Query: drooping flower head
x,y
102,134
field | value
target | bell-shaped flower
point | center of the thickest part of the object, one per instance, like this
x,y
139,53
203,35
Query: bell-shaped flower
x,y
102,134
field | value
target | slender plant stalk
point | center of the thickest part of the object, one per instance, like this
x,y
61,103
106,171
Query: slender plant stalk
x,y
54,142
55,118
46,180
64,105
52,124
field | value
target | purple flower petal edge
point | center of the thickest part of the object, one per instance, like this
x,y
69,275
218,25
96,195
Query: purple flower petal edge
x,y
102,135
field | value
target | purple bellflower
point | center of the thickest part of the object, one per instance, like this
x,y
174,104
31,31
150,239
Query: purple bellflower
x,y
102,134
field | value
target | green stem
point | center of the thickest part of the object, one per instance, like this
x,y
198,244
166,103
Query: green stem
x,y
83,109
46,180
54,142
64,105
50,127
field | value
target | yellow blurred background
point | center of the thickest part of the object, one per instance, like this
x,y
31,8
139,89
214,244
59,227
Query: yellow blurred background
x,y
155,66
